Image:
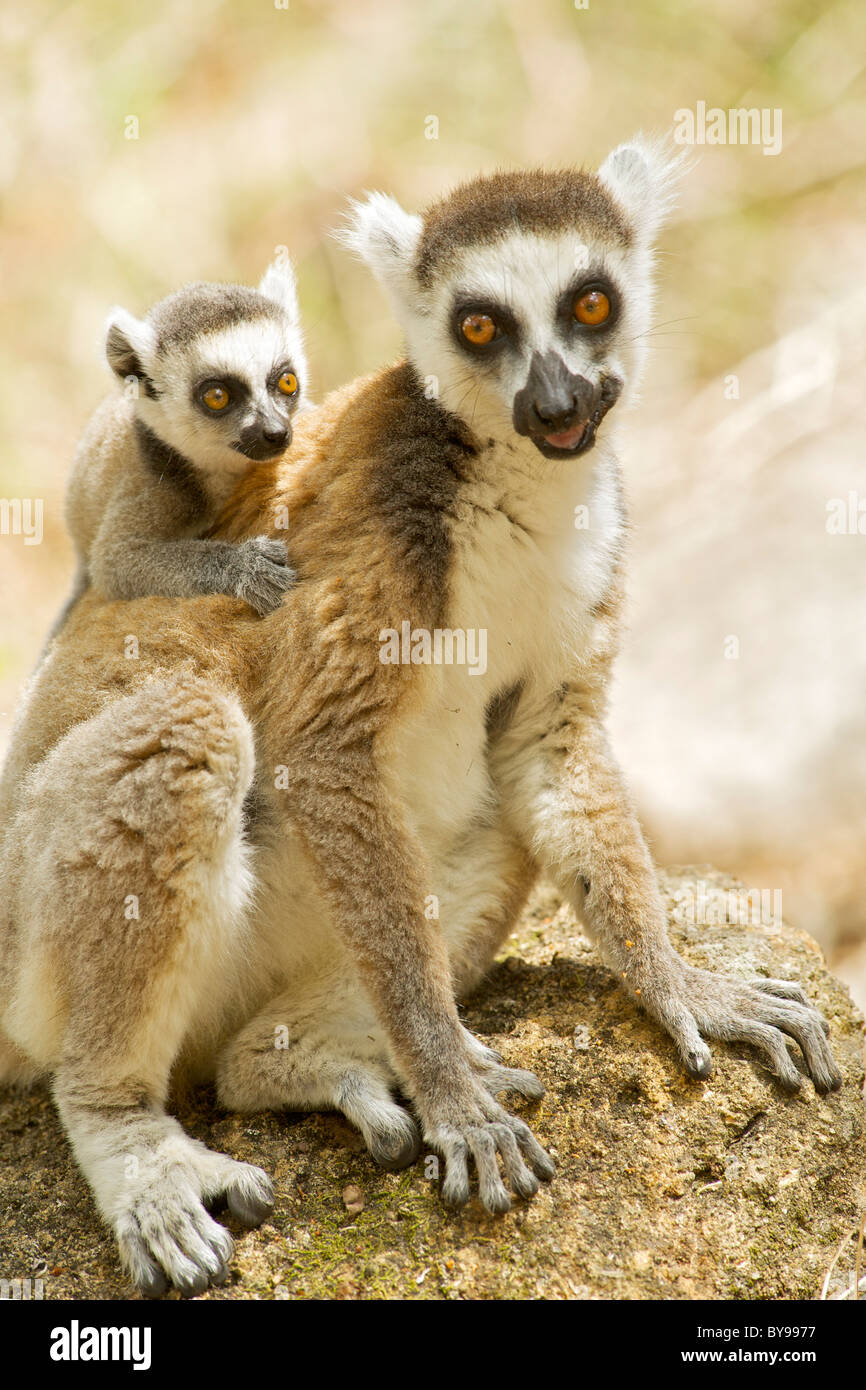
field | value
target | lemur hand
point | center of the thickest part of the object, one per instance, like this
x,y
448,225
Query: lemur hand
x,y
689,1002
467,1122
264,575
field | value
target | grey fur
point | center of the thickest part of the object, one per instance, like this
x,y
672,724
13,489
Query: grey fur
x,y
154,467
203,308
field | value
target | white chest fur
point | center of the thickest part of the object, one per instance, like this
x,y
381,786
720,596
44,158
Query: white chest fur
x,y
534,546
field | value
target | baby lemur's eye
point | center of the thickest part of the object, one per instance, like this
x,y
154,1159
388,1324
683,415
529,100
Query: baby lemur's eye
x,y
478,329
592,308
215,397
288,384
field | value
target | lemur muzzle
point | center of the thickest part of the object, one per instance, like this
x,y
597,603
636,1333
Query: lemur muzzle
x,y
560,410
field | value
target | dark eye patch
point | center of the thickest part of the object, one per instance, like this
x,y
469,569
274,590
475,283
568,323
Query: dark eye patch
x,y
277,372
508,327
582,283
239,394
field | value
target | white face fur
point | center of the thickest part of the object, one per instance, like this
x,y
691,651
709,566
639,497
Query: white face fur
x,y
220,370
546,376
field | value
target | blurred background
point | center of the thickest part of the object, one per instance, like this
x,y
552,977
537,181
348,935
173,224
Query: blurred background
x,y
146,145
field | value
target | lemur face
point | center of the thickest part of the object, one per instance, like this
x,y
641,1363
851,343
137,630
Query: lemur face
x,y
220,369
526,297
531,334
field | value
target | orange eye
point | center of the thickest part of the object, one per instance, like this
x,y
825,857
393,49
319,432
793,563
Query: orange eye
x,y
592,308
288,384
215,398
478,329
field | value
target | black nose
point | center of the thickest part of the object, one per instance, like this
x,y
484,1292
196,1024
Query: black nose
x,y
554,416
275,434
554,399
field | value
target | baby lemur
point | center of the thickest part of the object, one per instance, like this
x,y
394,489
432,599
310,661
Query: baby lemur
x,y
213,376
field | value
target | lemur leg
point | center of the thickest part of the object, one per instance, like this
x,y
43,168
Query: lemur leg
x,y
320,1047
483,889
375,878
130,903
566,792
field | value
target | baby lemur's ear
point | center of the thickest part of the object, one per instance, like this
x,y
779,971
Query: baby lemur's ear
x,y
278,284
643,176
384,236
129,343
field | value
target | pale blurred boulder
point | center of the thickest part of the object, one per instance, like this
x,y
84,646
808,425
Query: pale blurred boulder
x,y
740,703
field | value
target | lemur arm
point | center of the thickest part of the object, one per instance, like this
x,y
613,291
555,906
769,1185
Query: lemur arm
x,y
138,551
376,880
566,798
375,877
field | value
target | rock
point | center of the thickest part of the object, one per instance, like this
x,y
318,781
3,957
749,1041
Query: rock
x,y
666,1187
353,1199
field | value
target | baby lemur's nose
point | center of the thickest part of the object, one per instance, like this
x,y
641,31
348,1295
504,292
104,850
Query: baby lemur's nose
x,y
275,434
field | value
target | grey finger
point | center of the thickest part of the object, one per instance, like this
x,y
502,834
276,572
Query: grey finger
x,y
455,1188
523,1182
491,1188
539,1161
769,1041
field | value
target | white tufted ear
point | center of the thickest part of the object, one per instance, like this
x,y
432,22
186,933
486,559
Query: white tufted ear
x,y
643,176
129,343
278,284
384,236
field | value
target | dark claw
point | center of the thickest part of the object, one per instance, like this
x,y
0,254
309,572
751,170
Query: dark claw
x,y
456,1197
830,1082
456,1190
196,1284
153,1285
525,1187
699,1067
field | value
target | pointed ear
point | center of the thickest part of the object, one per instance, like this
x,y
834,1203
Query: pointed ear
x,y
129,343
384,236
643,176
279,285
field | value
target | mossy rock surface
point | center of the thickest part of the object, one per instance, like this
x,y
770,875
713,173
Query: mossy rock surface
x,y
666,1187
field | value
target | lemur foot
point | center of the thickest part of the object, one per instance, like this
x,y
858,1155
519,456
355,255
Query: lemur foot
x,y
471,1124
398,1148
264,573
696,1002
165,1234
